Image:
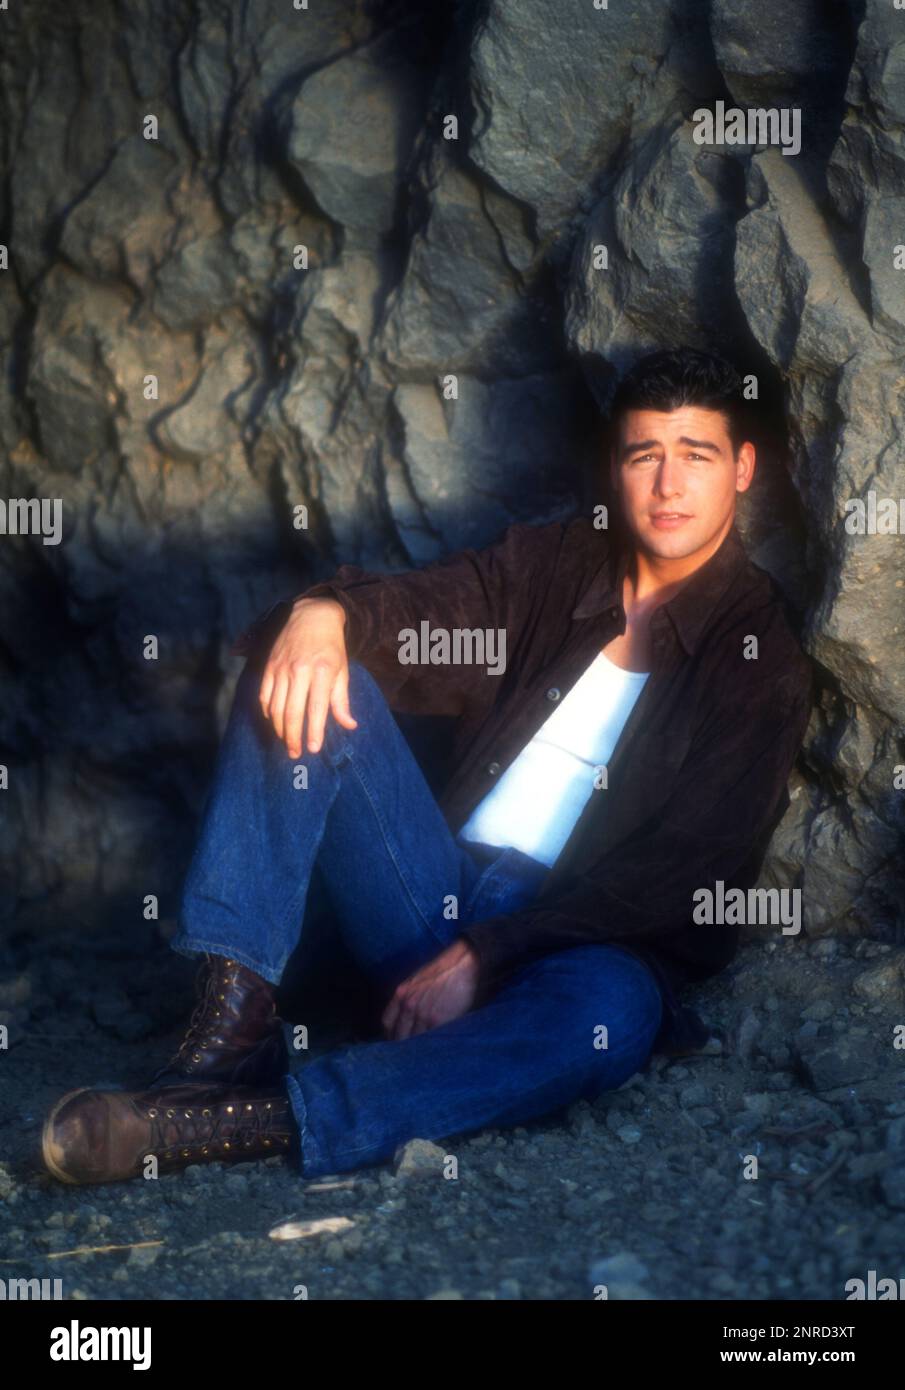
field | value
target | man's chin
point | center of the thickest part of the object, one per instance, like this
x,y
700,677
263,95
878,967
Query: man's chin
x,y
671,545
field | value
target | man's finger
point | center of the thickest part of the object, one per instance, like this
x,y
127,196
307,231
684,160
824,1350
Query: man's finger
x,y
406,1022
294,712
278,701
266,690
339,701
318,700
390,1014
426,1010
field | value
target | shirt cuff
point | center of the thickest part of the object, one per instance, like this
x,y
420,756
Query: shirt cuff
x,y
494,961
247,639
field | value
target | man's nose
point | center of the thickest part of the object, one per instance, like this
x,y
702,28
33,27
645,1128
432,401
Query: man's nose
x,y
668,482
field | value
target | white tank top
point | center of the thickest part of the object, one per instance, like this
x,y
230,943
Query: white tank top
x,y
535,804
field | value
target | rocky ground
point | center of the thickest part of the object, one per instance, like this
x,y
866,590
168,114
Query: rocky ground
x,y
643,1191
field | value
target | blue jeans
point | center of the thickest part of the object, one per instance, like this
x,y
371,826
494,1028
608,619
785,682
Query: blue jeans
x,y
402,887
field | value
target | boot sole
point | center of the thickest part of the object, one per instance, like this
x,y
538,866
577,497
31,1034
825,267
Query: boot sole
x,y
47,1143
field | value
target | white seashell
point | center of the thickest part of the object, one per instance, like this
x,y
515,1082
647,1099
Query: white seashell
x,y
300,1230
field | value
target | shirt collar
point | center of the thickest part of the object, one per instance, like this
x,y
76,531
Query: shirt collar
x,y
691,608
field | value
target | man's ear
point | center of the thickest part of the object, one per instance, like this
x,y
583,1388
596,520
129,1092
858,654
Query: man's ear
x,y
745,463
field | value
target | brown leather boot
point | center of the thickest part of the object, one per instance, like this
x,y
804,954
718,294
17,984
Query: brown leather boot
x,y
234,1035
105,1136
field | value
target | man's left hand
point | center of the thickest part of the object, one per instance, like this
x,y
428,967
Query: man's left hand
x,y
440,991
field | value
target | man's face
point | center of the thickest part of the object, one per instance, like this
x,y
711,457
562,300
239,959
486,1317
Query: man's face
x,y
677,477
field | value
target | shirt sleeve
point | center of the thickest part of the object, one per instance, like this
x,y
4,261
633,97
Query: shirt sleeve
x,y
727,792
471,589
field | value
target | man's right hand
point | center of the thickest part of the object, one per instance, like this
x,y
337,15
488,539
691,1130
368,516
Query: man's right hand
x,y
307,674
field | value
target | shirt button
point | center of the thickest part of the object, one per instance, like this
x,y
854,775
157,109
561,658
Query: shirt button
x,y
493,769
553,693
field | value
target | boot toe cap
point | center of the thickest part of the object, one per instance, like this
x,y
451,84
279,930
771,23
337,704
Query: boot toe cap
x,y
76,1138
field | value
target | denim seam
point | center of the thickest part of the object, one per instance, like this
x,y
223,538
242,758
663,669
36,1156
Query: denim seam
x,y
486,876
296,902
374,805
496,872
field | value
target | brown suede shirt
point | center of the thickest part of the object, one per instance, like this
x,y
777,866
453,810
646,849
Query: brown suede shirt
x,y
697,781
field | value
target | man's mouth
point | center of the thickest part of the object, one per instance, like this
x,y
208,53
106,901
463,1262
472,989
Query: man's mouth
x,y
668,521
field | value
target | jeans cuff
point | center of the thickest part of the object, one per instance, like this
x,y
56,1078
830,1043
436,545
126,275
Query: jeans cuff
x,y
191,946
311,1160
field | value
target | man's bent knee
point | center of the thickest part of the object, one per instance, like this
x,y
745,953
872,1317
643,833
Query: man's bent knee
x,y
608,1009
624,993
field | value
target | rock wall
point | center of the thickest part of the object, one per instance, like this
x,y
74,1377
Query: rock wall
x,y
452,172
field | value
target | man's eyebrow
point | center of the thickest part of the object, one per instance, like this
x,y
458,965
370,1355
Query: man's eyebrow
x,y
699,443
635,445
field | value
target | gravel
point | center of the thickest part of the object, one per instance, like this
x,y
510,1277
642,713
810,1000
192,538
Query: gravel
x,y
642,1193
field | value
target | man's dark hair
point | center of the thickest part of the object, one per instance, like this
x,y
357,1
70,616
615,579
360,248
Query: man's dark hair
x,y
683,376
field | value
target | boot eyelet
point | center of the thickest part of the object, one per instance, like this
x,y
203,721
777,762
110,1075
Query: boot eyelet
x,y
170,1114
227,1144
188,1114
186,1153
267,1143
196,1056
205,1112
229,1109
152,1114
249,1107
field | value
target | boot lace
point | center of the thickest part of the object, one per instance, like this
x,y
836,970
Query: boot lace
x,y
202,1024
224,1128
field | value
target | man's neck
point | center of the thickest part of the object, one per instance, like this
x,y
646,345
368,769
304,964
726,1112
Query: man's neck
x,y
653,579
649,582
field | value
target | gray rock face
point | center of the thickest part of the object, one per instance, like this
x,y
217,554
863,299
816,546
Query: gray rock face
x,y
557,97
782,55
667,226
353,125
189,391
